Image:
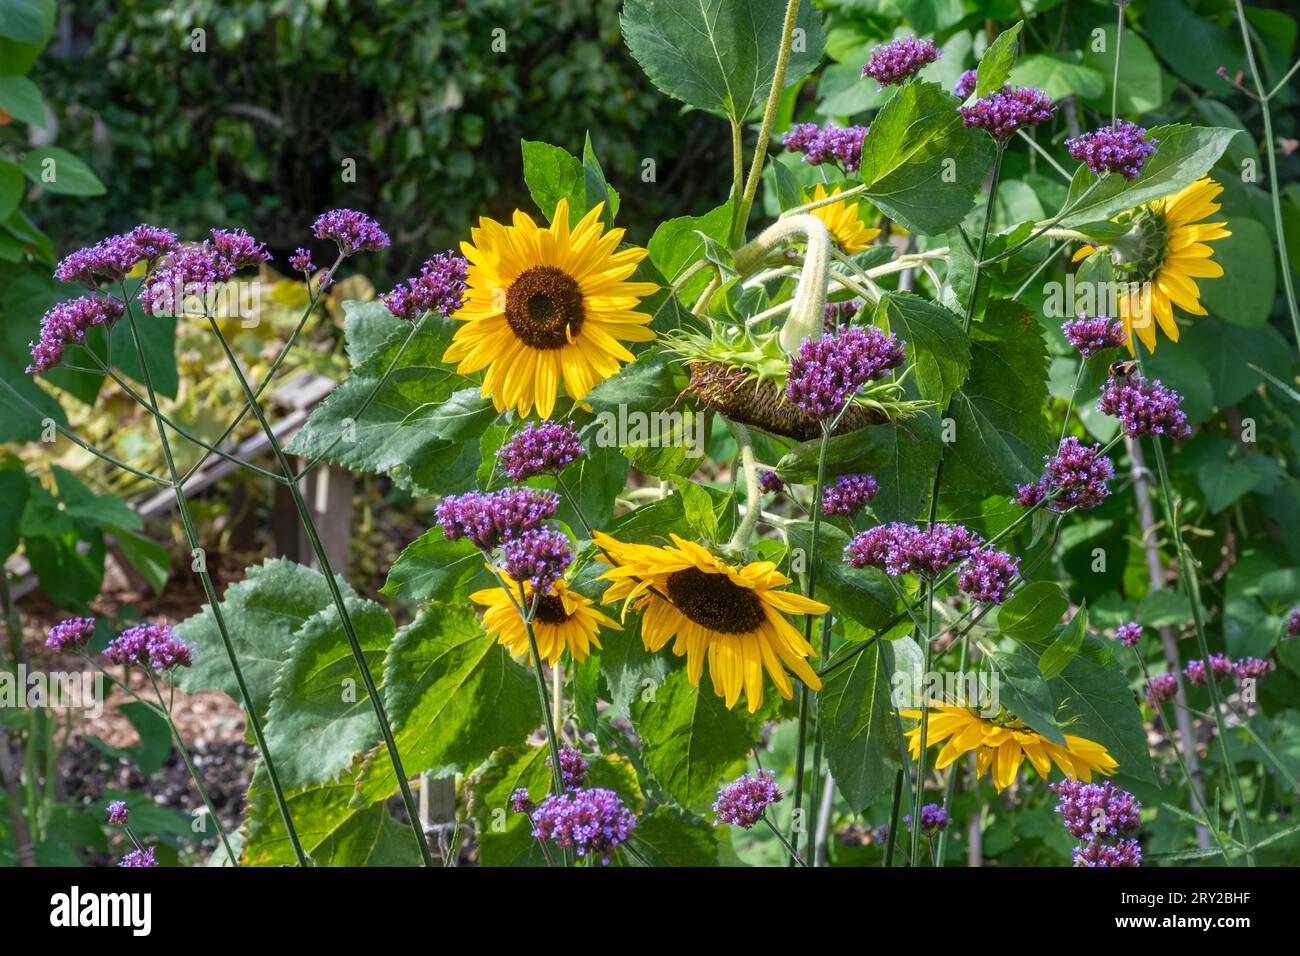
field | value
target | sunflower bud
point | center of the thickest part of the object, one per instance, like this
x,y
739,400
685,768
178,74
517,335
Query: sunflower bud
x,y
807,312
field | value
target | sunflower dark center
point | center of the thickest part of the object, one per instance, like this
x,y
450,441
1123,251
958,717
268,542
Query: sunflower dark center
x,y
544,307
550,610
714,601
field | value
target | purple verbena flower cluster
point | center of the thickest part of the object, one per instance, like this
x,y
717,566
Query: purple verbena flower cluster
x,y
827,372
1251,668
1292,628
593,821
1161,688
1101,815
1003,112
841,313
489,518
743,801
1220,666
192,269
117,813
72,633
538,556
139,858
899,548
67,324
1090,336
520,802
150,645
1075,477
987,575
540,448
1129,634
351,231
440,287
240,249
112,258
966,83
573,768
1121,148
899,60
848,495
934,818
1144,407
1121,853
770,481
1094,810
300,261
827,144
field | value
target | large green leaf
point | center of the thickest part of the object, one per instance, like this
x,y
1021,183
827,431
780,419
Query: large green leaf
x,y
20,98
690,738
453,696
863,594
1185,153
1022,690
553,173
431,568
719,55
60,172
1002,431
672,837
321,717
1033,611
423,425
262,614
1092,699
922,167
332,831
996,63
862,746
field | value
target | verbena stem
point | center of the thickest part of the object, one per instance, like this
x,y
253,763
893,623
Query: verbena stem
x,y
345,618
214,602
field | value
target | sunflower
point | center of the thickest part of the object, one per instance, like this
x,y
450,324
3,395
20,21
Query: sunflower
x,y
1003,744
842,222
547,304
564,619
1164,253
734,616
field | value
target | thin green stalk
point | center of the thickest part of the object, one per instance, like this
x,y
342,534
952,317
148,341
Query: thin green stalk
x,y
1193,595
210,590
313,297
1074,393
175,426
795,858
84,445
1273,191
189,765
1114,80
804,703
942,850
345,618
765,131
918,794
891,835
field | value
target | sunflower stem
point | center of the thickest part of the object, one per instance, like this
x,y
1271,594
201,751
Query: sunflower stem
x,y
769,119
753,493
557,778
